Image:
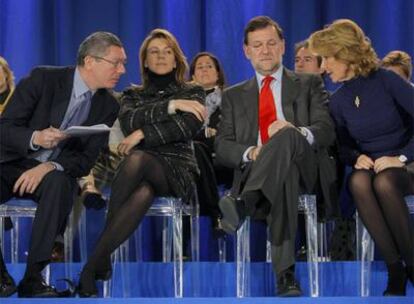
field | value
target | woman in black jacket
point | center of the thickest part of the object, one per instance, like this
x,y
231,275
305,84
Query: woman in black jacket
x,y
159,119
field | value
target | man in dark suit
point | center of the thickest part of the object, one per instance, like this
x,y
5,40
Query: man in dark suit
x,y
274,147
38,160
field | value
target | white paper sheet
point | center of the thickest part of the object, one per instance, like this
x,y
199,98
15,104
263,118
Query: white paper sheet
x,y
86,130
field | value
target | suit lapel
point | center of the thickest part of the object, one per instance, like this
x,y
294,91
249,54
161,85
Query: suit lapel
x,y
290,90
250,100
62,98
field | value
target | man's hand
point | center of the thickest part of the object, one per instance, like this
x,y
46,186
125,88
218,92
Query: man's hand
x,y
130,141
364,162
48,138
30,179
278,125
254,153
385,162
190,106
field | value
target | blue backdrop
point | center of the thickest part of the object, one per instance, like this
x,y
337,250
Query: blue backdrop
x,y
34,32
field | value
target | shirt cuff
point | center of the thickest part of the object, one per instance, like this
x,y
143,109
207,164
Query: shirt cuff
x,y
246,153
58,166
32,145
308,134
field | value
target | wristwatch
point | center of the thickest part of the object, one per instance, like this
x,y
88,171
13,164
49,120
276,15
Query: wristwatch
x,y
402,158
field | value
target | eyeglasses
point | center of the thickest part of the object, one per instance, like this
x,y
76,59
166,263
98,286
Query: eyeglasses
x,y
116,64
156,52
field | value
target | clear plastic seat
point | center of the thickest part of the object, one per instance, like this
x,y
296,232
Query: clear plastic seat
x,y
19,208
172,234
365,249
307,205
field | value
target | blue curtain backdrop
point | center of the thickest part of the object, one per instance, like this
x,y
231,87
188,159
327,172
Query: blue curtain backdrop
x,y
38,32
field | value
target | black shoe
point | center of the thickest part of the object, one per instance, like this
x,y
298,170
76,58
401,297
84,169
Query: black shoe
x,y
91,197
35,287
87,287
397,280
7,285
104,273
233,212
287,286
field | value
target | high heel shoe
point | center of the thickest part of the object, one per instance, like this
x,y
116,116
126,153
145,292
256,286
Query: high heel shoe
x,y
397,280
87,287
104,273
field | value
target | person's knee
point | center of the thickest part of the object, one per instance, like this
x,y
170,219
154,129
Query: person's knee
x,y
383,182
359,179
58,179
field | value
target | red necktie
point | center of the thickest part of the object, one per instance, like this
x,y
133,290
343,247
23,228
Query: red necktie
x,y
267,109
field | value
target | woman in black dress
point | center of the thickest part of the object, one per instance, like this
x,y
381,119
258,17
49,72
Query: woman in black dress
x,y
159,119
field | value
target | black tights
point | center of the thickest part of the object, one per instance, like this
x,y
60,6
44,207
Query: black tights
x,y
139,179
379,199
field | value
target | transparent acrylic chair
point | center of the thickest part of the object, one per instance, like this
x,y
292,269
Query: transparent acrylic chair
x,y
365,249
307,205
19,208
172,209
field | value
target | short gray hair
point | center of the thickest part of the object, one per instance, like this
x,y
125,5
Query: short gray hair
x,y
96,44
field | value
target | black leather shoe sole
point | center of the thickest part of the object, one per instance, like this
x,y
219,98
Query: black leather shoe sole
x,y
291,291
38,294
233,216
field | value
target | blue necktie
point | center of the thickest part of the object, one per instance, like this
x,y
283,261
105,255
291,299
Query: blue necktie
x,y
80,113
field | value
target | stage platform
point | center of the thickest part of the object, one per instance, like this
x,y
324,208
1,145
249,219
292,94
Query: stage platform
x,y
152,282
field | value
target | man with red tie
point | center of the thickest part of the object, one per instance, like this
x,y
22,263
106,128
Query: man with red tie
x,y
274,132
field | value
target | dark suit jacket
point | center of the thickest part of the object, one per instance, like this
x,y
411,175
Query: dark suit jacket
x,y
39,101
304,102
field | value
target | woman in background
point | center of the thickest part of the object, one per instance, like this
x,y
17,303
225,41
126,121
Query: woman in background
x,y
159,118
6,83
374,114
206,71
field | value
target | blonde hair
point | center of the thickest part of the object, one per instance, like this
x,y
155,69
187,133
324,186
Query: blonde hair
x,y
9,74
398,59
345,41
181,62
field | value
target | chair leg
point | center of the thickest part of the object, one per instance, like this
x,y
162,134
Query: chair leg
x,y
365,253
14,240
222,250
243,260
167,237
178,252
312,243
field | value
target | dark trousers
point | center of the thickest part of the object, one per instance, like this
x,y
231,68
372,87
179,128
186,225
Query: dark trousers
x,y
286,165
54,196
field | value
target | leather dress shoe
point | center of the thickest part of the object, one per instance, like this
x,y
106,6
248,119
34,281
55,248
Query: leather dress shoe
x,y
91,197
104,273
87,287
35,287
233,211
7,285
287,286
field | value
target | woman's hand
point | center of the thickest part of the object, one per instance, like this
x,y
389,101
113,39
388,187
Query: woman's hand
x,y
190,106
130,141
364,162
385,162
